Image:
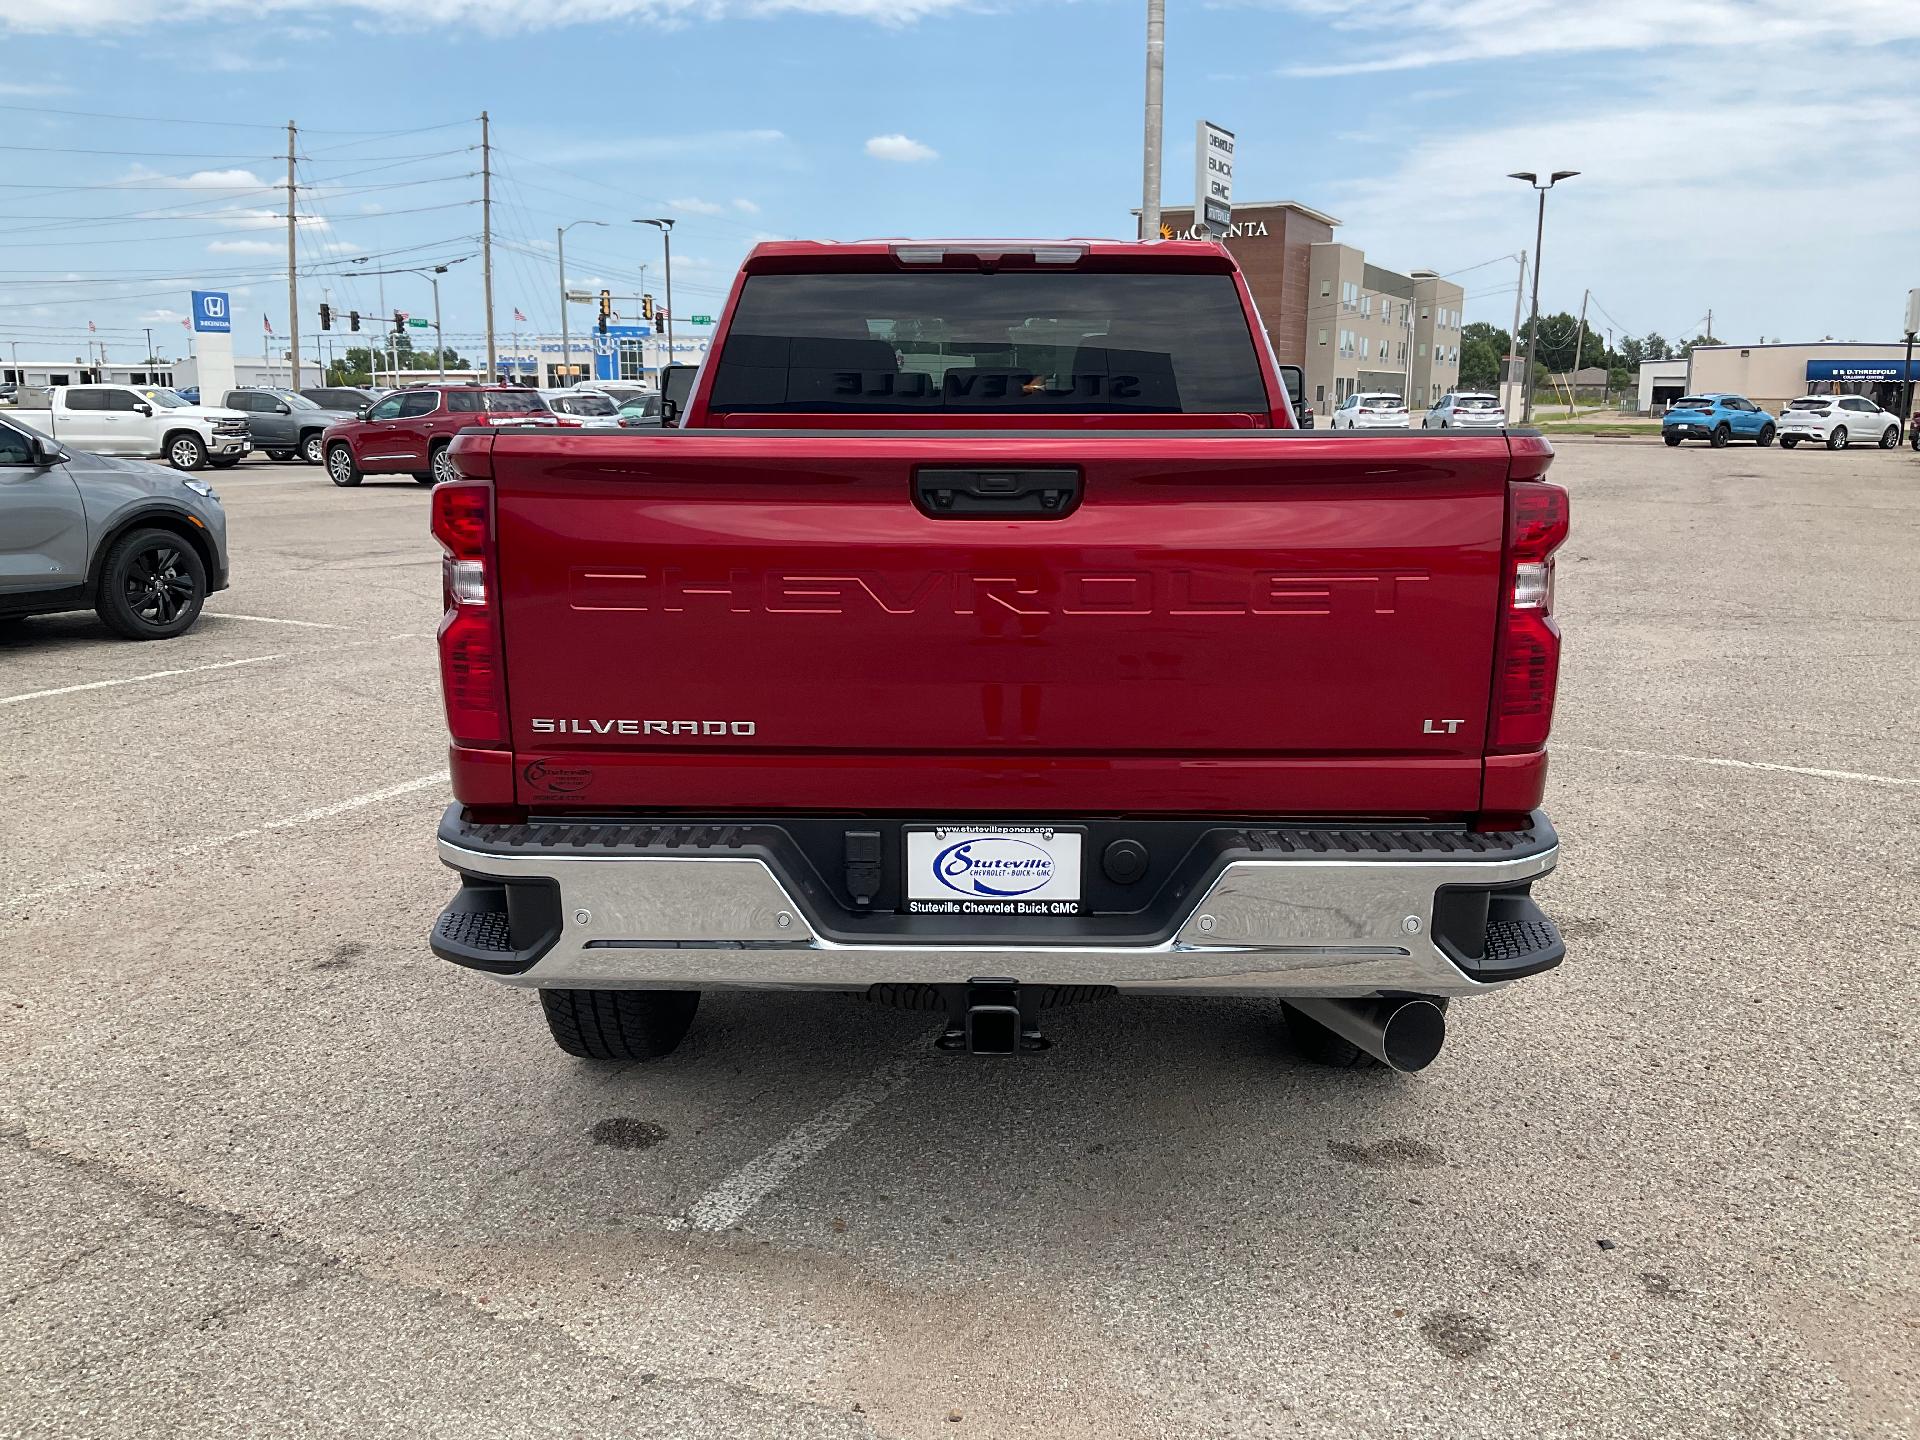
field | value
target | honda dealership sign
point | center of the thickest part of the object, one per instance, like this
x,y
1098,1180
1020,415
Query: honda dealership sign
x,y
211,314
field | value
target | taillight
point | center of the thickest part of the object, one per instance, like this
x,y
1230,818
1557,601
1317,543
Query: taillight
x,y
471,677
1529,665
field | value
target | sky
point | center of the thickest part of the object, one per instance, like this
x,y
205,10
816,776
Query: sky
x,y
1756,158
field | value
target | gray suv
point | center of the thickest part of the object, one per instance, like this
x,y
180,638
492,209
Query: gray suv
x,y
285,423
135,542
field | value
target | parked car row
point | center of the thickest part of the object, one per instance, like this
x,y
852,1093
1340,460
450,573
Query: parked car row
x,y
1836,421
1385,410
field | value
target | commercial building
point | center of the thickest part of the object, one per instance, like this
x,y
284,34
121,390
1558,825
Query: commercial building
x,y
1348,324
1661,383
1771,375
89,372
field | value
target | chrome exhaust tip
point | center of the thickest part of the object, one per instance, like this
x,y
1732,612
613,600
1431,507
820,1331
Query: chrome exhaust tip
x,y
1404,1035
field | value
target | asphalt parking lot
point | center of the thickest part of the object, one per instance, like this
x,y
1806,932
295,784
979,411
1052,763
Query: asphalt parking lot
x,y
272,1169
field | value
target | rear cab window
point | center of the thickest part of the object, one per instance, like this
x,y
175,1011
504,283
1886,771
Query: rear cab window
x,y
1011,342
1693,402
1475,402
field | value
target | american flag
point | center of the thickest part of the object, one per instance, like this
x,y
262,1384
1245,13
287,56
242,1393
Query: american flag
x,y
268,323
90,329
518,316
185,324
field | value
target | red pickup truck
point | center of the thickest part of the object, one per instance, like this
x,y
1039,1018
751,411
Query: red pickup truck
x,y
983,637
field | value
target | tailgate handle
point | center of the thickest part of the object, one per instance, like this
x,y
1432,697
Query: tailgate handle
x,y
996,494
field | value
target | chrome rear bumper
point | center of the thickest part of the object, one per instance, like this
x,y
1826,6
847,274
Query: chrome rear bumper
x,y
599,914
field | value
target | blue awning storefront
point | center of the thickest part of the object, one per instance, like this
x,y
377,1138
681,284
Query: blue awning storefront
x,y
1863,370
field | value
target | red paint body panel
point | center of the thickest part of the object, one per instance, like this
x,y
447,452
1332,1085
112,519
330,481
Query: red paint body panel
x,y
1237,617
1229,620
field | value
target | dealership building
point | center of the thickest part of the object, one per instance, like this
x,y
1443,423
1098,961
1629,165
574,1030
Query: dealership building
x,y
1771,375
1349,325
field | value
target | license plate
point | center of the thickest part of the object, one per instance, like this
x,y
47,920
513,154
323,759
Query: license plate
x,y
993,870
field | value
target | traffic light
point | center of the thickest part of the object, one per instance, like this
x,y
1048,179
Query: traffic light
x,y
399,321
606,309
353,317
326,316
646,307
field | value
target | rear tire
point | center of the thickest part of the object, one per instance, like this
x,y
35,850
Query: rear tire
x,y
619,1024
1766,436
1787,442
280,456
1721,436
1837,438
1890,438
313,449
340,467
1673,441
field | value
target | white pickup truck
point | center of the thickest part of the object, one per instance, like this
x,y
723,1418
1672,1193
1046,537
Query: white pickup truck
x,y
137,421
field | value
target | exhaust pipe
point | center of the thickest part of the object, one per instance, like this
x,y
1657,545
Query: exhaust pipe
x,y
1403,1035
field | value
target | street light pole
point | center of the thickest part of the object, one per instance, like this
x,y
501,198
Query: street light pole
x,y
666,239
566,341
1539,236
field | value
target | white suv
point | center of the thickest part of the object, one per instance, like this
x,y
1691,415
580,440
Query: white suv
x,y
1371,410
1838,421
1466,411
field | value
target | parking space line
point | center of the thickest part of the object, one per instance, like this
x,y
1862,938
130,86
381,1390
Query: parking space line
x,y
134,679
1865,779
275,620
94,879
735,1197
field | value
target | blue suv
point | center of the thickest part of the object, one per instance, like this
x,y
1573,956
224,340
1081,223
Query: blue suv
x,y
1716,419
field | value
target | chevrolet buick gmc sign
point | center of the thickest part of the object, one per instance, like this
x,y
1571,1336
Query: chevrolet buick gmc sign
x,y
211,313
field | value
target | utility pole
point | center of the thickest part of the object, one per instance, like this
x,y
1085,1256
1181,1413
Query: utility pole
x,y
293,281
149,349
486,239
1150,165
1579,337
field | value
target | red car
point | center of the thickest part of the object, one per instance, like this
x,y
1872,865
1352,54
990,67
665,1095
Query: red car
x,y
408,432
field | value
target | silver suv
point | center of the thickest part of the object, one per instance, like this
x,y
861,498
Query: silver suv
x,y
139,544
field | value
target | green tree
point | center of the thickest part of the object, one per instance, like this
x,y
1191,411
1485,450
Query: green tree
x,y
1687,349
1482,349
1657,347
1632,351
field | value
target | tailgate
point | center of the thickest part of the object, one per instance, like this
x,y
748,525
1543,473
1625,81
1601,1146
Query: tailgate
x,y
1248,622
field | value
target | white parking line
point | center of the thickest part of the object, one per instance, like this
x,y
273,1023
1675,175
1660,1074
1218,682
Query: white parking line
x,y
134,679
733,1198
274,620
1901,780
94,879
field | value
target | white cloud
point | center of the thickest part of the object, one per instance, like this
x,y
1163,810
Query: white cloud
x,y
899,147
244,247
30,88
148,179
697,207
65,16
1423,33
1689,195
162,316
746,207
